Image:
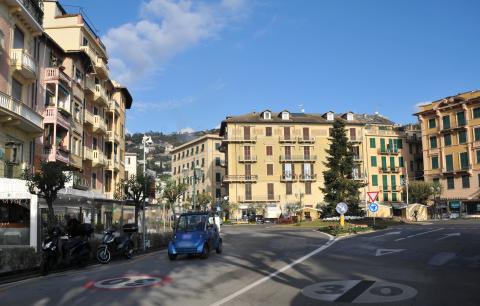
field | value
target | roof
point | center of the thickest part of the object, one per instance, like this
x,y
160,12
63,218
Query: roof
x,y
199,139
128,96
305,118
457,99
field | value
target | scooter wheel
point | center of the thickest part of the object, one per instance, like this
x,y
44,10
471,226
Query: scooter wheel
x,y
103,255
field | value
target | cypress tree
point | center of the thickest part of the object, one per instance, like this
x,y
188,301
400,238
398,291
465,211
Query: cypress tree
x,y
339,185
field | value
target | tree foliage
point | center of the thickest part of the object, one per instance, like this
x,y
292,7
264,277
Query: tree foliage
x,y
136,188
421,192
339,184
203,200
172,192
46,183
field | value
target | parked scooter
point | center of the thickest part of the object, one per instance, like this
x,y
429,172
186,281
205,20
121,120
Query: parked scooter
x,y
114,244
74,249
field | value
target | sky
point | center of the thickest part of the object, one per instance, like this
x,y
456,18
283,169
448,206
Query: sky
x,y
190,63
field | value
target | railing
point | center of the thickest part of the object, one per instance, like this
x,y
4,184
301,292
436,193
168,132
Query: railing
x,y
355,139
98,157
247,158
99,123
114,106
87,153
89,52
35,8
240,178
287,139
89,118
101,64
100,92
463,168
306,139
240,139
81,183
20,57
56,153
297,158
89,83
266,198
357,158
7,102
76,160
288,177
388,151
56,74
308,177
52,115
388,169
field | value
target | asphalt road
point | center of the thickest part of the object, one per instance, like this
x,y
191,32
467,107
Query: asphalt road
x,y
437,264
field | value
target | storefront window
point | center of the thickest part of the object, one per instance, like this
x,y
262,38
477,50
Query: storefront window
x,y
14,222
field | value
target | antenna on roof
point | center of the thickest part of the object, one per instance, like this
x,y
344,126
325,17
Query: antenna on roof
x,y
302,109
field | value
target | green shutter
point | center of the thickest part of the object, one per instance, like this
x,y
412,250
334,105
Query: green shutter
x,y
393,178
462,137
391,146
385,182
394,197
449,162
476,113
400,161
385,196
433,142
384,162
461,118
373,144
464,160
400,143
432,123
374,180
382,145
392,162
434,162
446,122
477,133
447,138
478,156
373,161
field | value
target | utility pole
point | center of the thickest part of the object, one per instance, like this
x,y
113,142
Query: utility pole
x,y
145,140
406,179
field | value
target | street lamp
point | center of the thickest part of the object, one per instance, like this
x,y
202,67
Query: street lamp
x,y
197,174
146,140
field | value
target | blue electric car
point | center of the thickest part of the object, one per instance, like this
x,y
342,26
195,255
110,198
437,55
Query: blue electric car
x,y
195,234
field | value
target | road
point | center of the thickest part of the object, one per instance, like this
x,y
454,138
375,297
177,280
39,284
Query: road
x,y
437,264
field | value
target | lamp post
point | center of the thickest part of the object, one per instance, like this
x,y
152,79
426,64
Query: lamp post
x,y
146,140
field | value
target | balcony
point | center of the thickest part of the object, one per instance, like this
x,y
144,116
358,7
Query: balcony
x,y
14,112
56,153
396,188
99,124
355,139
113,137
89,85
240,139
414,139
89,52
287,139
81,183
98,158
452,128
247,159
54,116
464,169
76,161
57,74
308,177
297,158
100,96
240,178
288,177
87,154
388,169
89,118
357,159
388,151
101,68
306,139
254,199
114,106
112,164
31,12
24,64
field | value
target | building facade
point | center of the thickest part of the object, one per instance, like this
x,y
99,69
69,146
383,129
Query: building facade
x,y
451,150
204,155
130,165
277,158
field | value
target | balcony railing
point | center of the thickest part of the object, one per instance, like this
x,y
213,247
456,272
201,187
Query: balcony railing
x,y
355,139
101,67
87,153
451,127
288,177
24,63
90,83
99,123
287,139
240,139
357,158
98,158
298,158
463,168
35,8
388,151
308,177
306,139
52,115
258,198
9,104
240,178
56,153
114,106
100,94
247,158
55,74
388,169
81,183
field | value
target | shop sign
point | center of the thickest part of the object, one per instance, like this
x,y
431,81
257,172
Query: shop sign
x,y
455,204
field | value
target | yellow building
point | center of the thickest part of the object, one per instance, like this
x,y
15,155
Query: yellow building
x,y
200,158
451,150
277,158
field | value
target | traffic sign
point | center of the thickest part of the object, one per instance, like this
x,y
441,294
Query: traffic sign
x,y
341,208
373,195
373,207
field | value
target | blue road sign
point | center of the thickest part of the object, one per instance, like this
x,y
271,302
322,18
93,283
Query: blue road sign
x,y
373,207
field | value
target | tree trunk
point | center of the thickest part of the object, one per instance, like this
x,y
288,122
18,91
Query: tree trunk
x,y
137,208
51,214
173,211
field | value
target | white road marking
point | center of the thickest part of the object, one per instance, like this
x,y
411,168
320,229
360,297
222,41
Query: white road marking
x,y
449,235
419,234
227,299
441,258
387,234
381,252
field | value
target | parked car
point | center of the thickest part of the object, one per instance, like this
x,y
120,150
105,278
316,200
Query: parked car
x,y
195,234
256,219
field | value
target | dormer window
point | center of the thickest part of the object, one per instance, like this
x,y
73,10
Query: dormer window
x,y
285,116
330,116
349,116
267,115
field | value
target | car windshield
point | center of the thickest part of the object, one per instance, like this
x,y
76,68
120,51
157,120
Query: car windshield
x,y
190,223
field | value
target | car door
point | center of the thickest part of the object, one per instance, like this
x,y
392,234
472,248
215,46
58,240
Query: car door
x,y
212,232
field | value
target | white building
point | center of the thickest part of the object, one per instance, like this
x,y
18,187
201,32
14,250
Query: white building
x,y
130,164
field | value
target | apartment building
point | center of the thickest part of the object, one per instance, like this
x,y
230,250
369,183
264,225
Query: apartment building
x,y
130,165
451,150
277,158
200,164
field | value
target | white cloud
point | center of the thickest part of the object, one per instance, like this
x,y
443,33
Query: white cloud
x,y
416,107
163,106
186,130
165,28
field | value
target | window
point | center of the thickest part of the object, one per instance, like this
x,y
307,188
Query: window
x,y
385,182
393,179
246,132
394,196
285,116
372,143
433,142
384,163
432,123
461,119
450,182
218,193
94,180
196,150
374,180
449,162
203,147
447,138
464,160
476,113
476,132
218,177
478,156
217,146
288,187
270,191
410,148
269,169
248,191
268,131
446,122
373,161
269,150
267,115
465,181
85,41
217,161
286,133
203,162
462,137
16,89
385,196
18,39
382,145
308,188
15,212
400,162
411,166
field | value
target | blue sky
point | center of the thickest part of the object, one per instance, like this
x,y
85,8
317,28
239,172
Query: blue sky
x,y
188,64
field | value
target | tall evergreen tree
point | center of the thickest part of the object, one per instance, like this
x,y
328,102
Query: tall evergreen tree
x,y
339,185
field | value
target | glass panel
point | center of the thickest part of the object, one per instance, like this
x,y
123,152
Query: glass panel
x,y
14,222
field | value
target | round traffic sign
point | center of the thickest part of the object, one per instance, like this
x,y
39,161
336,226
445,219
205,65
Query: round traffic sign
x,y
341,208
129,282
373,207
359,291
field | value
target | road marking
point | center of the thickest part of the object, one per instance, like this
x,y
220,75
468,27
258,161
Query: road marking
x,y
441,258
129,282
387,234
449,235
227,299
381,252
419,234
359,291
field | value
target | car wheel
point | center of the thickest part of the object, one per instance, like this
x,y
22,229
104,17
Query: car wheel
x,y
172,256
205,252
219,248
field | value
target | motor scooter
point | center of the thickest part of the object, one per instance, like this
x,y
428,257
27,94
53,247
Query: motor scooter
x,y
114,243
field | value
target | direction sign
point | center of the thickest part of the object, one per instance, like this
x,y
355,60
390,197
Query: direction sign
x,y
373,207
341,208
373,195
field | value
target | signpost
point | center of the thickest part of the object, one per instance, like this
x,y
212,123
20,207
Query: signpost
x,y
373,206
341,209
